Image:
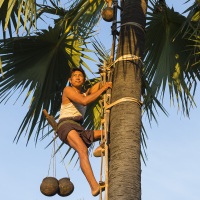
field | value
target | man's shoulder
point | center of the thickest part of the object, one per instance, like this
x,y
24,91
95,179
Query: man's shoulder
x,y
67,88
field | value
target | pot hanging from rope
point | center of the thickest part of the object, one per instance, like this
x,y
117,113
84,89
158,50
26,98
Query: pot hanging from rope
x,y
66,187
49,186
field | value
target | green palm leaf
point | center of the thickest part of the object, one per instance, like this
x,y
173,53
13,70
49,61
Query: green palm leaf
x,y
39,65
80,17
166,56
5,21
42,71
191,30
18,12
192,21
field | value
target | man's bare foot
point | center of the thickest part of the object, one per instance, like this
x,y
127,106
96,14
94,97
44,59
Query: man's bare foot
x,y
101,187
99,151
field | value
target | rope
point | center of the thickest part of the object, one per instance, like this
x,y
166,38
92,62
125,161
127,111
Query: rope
x,y
127,57
131,99
134,24
122,58
55,127
52,157
63,160
130,23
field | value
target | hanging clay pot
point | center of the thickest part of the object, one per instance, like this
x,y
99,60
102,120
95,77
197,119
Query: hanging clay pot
x,y
107,14
66,187
49,186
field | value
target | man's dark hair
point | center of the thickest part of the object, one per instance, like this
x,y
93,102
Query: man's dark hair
x,y
77,69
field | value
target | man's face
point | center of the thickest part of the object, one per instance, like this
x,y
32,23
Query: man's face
x,y
77,78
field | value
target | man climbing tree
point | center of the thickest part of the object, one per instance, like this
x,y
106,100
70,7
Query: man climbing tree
x,y
72,113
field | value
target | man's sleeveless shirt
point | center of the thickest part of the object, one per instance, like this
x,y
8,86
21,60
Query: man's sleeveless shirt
x,y
72,110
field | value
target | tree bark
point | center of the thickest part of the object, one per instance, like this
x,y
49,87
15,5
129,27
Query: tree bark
x,y
125,119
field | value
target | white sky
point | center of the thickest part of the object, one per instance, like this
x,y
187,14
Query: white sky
x,y
172,171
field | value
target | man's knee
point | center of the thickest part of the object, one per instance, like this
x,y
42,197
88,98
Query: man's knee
x,y
83,150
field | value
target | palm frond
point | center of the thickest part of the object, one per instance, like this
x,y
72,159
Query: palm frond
x,y
80,16
87,15
191,30
39,66
166,57
14,13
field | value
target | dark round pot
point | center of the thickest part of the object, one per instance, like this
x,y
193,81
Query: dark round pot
x,y
49,186
66,187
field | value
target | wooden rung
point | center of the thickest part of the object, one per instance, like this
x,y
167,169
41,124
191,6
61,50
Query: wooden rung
x,y
102,121
103,141
103,74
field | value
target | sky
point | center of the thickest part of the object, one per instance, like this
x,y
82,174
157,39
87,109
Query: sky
x,y
171,171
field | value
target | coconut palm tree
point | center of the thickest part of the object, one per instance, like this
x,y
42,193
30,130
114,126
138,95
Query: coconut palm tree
x,y
125,129
166,52
39,63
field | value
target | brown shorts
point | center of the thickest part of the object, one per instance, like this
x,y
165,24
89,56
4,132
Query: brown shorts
x,y
65,125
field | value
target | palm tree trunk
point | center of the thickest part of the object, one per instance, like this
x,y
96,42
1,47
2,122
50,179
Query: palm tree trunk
x,y
125,119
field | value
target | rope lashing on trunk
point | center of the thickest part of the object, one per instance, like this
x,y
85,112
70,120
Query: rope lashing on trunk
x,y
127,57
130,99
134,24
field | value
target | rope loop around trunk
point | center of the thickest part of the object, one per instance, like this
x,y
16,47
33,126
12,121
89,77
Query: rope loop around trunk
x,y
127,57
131,99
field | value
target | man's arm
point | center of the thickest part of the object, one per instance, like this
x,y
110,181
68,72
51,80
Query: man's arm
x,y
94,88
70,93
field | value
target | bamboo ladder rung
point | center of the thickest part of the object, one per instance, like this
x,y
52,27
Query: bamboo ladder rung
x,y
104,138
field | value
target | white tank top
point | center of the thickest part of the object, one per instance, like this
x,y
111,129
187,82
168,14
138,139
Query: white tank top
x,y
72,109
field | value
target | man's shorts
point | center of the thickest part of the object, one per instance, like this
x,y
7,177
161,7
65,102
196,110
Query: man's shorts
x,y
65,125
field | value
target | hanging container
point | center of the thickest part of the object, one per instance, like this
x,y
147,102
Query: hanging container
x,y
49,186
108,14
66,187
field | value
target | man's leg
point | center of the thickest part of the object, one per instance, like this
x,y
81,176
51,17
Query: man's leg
x,y
100,149
97,135
78,145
